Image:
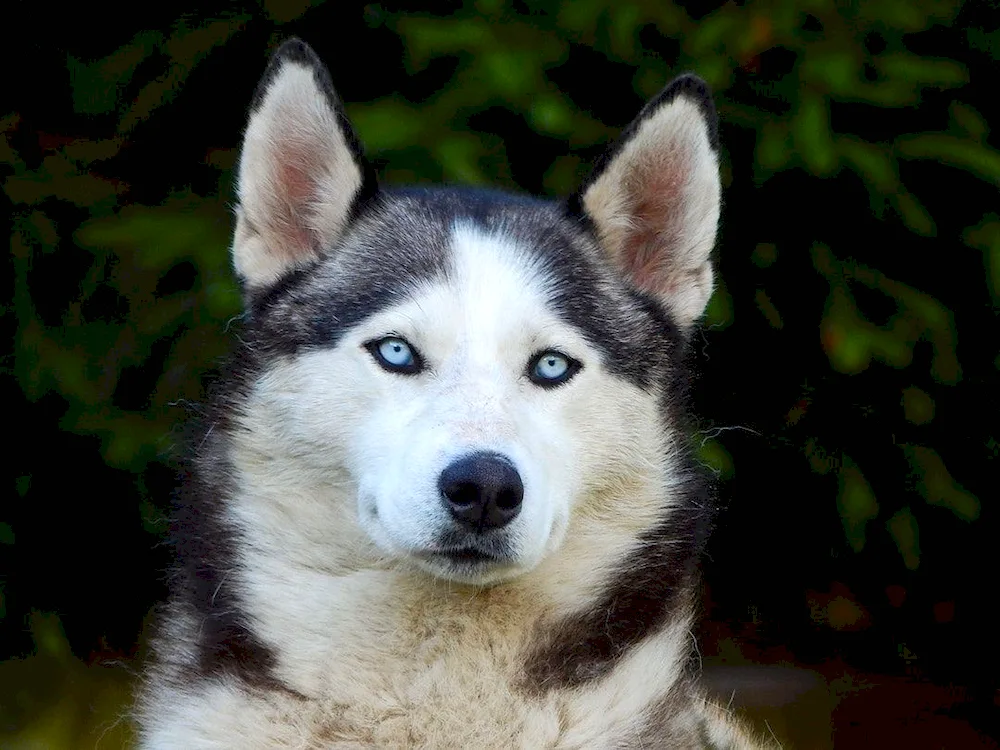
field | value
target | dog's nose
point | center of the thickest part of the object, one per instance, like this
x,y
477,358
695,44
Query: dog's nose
x,y
483,491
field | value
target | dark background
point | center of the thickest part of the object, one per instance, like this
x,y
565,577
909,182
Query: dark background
x,y
848,370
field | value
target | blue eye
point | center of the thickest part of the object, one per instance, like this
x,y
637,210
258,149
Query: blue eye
x,y
551,368
395,355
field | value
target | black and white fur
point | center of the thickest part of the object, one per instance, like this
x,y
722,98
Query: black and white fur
x,y
444,497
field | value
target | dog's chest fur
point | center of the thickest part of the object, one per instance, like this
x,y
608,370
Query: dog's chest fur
x,y
443,671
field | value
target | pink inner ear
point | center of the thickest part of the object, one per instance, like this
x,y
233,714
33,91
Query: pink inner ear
x,y
296,192
652,240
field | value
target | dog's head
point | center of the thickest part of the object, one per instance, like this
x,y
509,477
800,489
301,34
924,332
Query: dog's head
x,y
476,370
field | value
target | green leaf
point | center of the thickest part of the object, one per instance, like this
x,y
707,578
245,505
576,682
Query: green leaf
x,y
975,158
813,137
156,238
905,532
427,38
387,124
186,48
459,157
715,456
918,407
916,218
837,71
97,86
856,503
967,121
986,237
922,71
851,341
936,484
283,11
767,309
774,151
720,312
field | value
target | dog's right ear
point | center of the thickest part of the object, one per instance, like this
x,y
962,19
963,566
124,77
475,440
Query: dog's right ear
x,y
302,173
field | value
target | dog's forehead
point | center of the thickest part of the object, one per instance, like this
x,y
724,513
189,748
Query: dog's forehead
x,y
425,233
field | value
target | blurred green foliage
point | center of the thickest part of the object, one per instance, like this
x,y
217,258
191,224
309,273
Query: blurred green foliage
x,y
857,305
53,700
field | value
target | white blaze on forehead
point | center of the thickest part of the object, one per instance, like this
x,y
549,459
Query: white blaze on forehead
x,y
498,284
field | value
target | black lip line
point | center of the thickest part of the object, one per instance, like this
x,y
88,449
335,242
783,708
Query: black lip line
x,y
464,555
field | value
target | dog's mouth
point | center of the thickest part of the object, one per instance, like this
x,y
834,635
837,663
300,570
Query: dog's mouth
x,y
471,556
467,562
464,556
468,565
478,561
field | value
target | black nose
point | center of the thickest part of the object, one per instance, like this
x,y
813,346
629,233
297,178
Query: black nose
x,y
483,491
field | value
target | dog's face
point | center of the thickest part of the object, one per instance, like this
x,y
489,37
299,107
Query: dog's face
x,y
470,411
473,426
481,369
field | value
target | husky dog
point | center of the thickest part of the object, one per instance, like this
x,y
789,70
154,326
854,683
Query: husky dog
x,y
444,497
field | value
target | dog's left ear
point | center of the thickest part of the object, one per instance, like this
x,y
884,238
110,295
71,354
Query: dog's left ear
x,y
654,198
